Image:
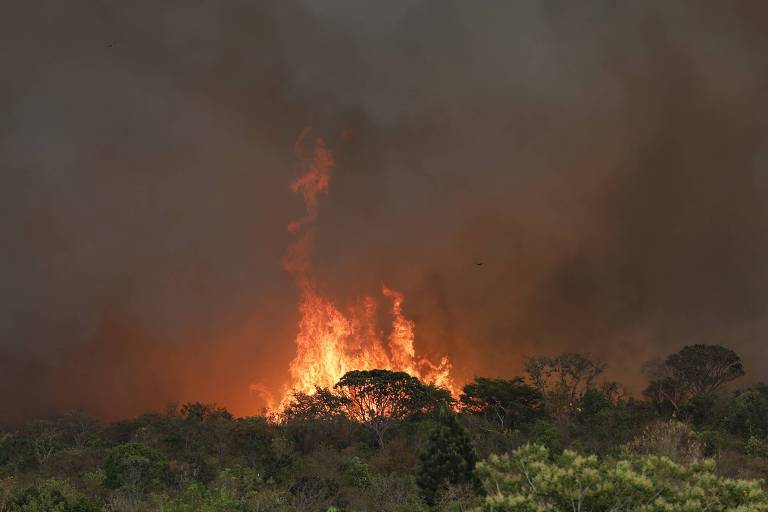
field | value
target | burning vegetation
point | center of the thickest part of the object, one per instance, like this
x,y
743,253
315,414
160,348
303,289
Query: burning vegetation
x,y
331,343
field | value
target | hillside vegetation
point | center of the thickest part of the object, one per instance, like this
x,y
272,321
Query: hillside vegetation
x,y
558,438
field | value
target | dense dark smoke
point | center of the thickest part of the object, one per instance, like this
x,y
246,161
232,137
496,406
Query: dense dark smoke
x,y
606,162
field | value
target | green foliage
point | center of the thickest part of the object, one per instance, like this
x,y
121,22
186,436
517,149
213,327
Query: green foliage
x,y
313,494
319,455
51,496
357,473
505,403
701,410
695,371
704,368
393,493
562,380
546,433
13,452
605,419
447,459
671,439
747,412
531,481
380,398
756,447
322,405
198,498
134,468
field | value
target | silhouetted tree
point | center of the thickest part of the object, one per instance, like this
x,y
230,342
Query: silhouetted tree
x,y
322,405
695,370
380,398
562,380
501,402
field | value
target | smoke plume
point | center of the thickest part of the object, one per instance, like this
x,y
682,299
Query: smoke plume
x,y
605,162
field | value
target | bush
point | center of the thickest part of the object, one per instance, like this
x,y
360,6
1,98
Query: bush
x,y
447,459
531,481
197,498
51,496
394,494
357,473
545,433
756,447
748,412
133,468
672,439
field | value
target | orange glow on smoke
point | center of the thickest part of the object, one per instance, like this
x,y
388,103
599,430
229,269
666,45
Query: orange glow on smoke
x,y
330,343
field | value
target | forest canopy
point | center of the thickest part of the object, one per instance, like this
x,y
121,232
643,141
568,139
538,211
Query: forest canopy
x,y
557,438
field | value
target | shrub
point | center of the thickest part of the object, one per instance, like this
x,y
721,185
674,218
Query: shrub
x,y
672,439
133,468
756,447
531,481
51,496
545,433
447,459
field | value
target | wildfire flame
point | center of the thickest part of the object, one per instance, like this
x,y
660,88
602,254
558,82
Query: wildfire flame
x,y
330,343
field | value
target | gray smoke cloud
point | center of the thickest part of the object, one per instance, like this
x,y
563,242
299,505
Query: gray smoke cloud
x,y
606,162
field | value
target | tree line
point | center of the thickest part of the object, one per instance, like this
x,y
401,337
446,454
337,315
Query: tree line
x,y
558,437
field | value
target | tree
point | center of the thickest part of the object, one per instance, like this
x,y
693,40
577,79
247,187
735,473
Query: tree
x,y
563,379
747,412
206,425
50,496
77,429
447,459
664,391
45,438
313,493
703,369
501,402
263,446
694,371
380,398
322,405
133,468
530,480
604,419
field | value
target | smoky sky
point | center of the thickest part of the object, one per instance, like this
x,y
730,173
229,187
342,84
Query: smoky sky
x,y
605,161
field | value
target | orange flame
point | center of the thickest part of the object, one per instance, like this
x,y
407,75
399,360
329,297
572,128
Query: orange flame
x,y
330,343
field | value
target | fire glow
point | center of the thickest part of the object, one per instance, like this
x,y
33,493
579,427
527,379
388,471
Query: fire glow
x,y
330,343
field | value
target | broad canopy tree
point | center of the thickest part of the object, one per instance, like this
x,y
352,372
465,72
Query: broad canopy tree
x,y
376,399
501,402
694,371
380,398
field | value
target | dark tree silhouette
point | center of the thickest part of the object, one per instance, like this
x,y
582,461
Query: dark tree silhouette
x,y
501,402
694,371
322,405
380,398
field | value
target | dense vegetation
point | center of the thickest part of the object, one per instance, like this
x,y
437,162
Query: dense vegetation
x,y
559,438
